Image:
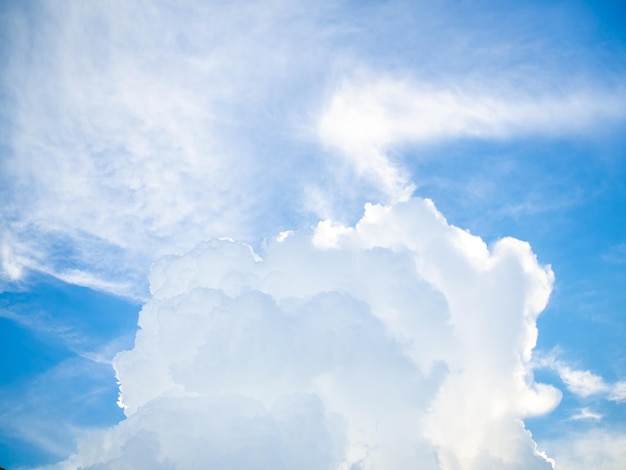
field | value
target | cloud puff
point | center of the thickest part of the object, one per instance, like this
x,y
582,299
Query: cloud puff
x,y
582,382
401,342
585,383
12,265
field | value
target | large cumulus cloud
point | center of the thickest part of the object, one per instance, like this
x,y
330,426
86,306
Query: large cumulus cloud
x,y
401,342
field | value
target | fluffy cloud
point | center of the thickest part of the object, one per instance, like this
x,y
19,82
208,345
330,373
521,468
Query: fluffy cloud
x,y
582,382
585,383
402,342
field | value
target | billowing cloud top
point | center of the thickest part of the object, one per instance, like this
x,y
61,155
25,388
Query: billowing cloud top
x,y
400,342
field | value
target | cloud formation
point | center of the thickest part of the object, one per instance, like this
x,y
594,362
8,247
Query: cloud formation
x,y
152,123
605,449
157,127
397,340
586,414
585,383
366,119
401,341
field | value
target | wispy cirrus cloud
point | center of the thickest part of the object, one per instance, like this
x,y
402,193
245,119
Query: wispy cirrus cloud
x,y
149,133
158,127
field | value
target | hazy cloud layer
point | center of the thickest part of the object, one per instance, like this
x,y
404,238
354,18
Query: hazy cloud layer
x,y
150,132
408,342
134,129
605,449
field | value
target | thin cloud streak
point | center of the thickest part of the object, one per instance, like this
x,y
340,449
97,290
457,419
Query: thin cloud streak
x,y
586,414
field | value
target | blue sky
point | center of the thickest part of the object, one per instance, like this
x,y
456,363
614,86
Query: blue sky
x,y
133,133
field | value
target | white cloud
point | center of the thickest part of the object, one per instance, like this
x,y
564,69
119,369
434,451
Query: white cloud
x,y
367,118
405,342
582,382
597,449
140,130
282,236
150,131
13,264
159,127
585,383
586,414
618,391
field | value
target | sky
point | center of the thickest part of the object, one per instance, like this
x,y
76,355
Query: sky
x,y
318,235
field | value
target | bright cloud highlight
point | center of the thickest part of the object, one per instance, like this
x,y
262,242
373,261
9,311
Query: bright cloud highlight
x,y
366,118
585,383
404,342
